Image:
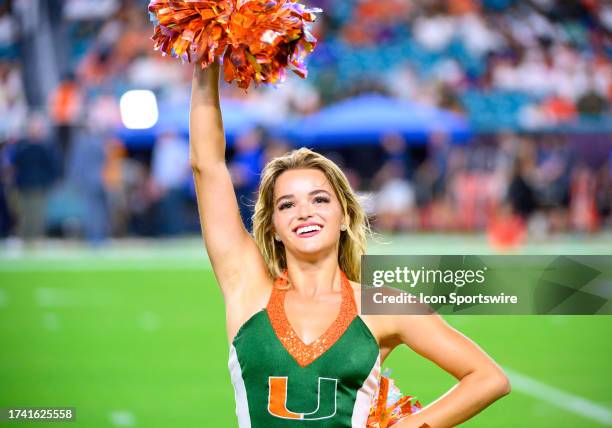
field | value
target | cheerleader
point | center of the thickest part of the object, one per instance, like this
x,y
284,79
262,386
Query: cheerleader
x,y
301,355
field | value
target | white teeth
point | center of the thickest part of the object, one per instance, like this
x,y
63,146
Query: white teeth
x,y
307,229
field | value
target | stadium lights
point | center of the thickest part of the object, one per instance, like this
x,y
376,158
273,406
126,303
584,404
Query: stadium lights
x,y
138,109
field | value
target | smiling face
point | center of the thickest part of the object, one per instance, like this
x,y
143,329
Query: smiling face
x,y
307,214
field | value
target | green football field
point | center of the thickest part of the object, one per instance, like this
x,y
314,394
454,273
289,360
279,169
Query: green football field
x,y
133,335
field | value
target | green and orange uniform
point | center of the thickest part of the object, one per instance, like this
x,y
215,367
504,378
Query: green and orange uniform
x,y
279,381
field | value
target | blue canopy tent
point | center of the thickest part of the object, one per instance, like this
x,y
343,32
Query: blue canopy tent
x,y
366,118
238,117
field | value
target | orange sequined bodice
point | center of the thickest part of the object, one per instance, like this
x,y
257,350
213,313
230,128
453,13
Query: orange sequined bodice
x,y
303,353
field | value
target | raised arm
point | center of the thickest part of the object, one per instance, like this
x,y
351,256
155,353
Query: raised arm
x,y
234,255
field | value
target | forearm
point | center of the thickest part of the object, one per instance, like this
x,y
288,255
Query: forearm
x,y
471,395
206,135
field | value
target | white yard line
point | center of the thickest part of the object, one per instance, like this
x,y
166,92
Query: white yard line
x,y
556,397
122,418
51,321
149,321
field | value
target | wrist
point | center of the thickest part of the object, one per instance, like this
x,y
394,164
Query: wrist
x,y
209,72
412,421
206,79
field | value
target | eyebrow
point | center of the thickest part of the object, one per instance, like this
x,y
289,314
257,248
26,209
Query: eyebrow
x,y
314,192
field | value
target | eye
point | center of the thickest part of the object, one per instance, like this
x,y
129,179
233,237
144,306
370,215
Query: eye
x,y
285,205
321,200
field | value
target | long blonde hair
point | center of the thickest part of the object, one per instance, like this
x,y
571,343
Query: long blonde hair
x,y
352,242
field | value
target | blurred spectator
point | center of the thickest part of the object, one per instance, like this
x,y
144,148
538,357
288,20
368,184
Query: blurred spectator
x,y
140,198
559,110
395,201
592,103
90,9
439,215
169,174
506,229
6,218
583,209
6,212
113,175
427,183
245,168
154,71
8,31
13,108
439,149
35,164
65,105
104,110
275,147
434,31
86,162
552,180
604,191
520,191
396,149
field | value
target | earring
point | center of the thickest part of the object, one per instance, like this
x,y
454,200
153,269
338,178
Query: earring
x,y
343,227
277,237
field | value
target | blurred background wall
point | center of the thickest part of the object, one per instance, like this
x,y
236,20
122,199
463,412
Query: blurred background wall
x,y
469,116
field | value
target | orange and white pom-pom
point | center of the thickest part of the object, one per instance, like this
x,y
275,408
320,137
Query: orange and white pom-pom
x,y
390,406
257,39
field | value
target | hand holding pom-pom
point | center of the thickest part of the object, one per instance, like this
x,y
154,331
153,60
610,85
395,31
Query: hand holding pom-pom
x,y
257,39
390,406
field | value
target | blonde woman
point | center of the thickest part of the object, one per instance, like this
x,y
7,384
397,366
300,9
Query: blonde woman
x,y
300,353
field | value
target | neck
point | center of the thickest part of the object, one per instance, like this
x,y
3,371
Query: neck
x,y
310,279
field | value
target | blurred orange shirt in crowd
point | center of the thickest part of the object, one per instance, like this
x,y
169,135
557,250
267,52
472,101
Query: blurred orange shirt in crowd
x,y
65,103
368,14
383,10
560,109
112,171
462,7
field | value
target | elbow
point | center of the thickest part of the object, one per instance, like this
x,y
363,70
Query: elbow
x,y
500,384
201,167
493,383
195,159
196,167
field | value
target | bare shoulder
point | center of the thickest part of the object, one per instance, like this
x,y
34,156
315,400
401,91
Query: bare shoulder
x,y
392,329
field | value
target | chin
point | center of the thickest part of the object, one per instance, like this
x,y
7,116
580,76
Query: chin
x,y
310,249
314,248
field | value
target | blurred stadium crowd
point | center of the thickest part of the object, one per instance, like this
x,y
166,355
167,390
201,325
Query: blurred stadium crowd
x,y
534,78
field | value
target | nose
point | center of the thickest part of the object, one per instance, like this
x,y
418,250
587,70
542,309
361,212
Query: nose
x,y
304,210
